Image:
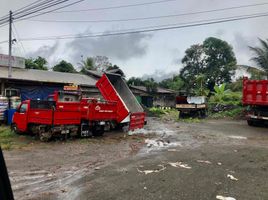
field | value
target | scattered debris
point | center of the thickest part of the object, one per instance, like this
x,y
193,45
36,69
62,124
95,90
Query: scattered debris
x,y
172,150
156,143
232,177
218,183
97,168
145,188
219,163
152,171
204,161
237,137
224,198
179,165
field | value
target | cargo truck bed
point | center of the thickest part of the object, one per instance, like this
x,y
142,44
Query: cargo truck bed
x,y
114,88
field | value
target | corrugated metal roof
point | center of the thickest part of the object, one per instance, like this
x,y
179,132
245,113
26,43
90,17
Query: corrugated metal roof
x,y
48,76
159,89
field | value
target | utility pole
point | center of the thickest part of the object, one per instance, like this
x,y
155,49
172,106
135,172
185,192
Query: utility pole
x,y
10,45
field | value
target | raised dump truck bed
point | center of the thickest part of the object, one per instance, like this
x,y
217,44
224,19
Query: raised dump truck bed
x,y
114,88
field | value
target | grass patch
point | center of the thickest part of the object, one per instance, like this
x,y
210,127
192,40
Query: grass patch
x,y
235,113
10,140
189,120
171,115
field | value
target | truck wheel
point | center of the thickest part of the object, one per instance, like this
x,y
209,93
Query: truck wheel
x,y
251,122
14,128
98,131
45,136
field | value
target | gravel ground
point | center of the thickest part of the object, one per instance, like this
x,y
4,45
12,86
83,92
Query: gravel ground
x,y
166,160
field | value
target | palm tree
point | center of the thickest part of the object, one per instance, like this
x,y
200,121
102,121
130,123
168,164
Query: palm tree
x,y
87,64
261,55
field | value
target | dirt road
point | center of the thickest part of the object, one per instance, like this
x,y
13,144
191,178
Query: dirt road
x,y
203,160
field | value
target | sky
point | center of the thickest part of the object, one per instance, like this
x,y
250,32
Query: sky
x,y
157,54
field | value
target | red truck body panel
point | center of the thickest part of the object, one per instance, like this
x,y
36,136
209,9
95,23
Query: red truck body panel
x,y
114,88
255,92
109,93
99,111
67,113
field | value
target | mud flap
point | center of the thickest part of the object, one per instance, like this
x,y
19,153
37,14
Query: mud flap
x,y
137,120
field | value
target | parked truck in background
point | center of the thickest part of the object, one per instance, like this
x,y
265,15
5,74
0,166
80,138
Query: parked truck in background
x,y
255,97
191,106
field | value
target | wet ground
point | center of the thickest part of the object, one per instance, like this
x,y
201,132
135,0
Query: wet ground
x,y
212,159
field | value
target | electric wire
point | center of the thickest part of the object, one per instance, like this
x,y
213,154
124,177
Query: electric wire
x,y
148,18
151,29
115,7
18,39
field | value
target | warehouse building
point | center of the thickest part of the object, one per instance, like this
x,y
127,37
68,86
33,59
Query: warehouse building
x,y
38,84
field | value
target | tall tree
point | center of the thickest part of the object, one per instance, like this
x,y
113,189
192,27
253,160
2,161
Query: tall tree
x,y
214,59
87,64
175,83
64,66
220,61
135,81
101,63
37,63
261,55
151,85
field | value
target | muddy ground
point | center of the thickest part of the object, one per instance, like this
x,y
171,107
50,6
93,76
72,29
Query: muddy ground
x,y
166,160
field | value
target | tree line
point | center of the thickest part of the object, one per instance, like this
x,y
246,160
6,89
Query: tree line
x,y
98,63
205,66
210,64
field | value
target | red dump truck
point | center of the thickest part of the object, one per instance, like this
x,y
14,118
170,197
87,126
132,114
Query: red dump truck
x,y
66,113
255,96
129,111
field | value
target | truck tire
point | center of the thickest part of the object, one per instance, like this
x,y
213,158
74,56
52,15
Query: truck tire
x,y
14,128
98,131
45,136
251,122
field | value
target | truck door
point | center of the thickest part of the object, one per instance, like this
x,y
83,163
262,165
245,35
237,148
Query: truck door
x,y
22,116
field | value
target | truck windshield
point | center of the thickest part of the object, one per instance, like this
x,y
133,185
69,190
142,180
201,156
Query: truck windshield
x,y
23,108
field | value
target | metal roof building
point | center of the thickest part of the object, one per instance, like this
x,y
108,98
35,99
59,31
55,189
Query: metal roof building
x,y
38,83
48,76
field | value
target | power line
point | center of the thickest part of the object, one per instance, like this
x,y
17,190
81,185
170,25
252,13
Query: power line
x,y
116,7
27,8
156,28
18,39
48,4
53,9
149,18
31,8
51,4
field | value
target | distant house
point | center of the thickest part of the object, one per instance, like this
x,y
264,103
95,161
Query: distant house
x,y
160,98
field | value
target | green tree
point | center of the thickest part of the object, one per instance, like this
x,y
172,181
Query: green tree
x,y
135,81
200,89
175,83
87,64
64,66
151,85
220,92
261,55
214,59
37,63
